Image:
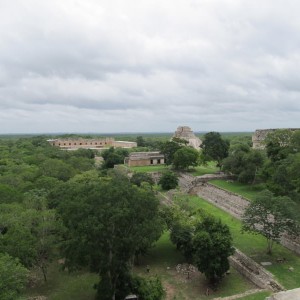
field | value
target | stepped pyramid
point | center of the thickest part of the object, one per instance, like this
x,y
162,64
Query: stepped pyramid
x,y
186,133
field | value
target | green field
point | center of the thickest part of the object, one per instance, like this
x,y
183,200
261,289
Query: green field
x,y
163,259
144,169
255,246
64,286
245,190
210,168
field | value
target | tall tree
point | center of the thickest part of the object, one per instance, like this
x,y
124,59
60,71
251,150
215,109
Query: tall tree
x,y
107,222
185,157
13,277
271,216
215,147
244,162
168,149
213,245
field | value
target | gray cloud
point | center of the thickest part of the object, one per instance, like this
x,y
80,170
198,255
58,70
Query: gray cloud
x,y
105,66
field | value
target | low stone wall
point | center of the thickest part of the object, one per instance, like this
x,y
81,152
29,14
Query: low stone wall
x,y
254,272
235,205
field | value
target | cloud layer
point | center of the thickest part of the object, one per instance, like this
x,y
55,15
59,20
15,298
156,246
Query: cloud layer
x,y
148,65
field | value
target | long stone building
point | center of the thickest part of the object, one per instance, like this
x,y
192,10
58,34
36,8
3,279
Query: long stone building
x,y
144,159
104,143
260,135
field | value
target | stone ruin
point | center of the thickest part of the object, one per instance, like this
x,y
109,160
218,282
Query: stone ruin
x,y
186,133
260,135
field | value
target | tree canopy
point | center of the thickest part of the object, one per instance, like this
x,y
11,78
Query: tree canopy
x,y
215,147
185,157
271,216
108,221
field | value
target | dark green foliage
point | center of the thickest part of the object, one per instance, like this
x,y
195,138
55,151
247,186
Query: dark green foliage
x,y
281,173
244,162
149,288
140,141
181,235
202,239
213,245
113,157
108,221
168,149
185,157
215,147
168,180
13,277
138,178
271,216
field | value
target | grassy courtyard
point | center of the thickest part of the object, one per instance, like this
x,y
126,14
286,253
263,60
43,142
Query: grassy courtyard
x,y
163,259
62,285
210,168
145,169
246,190
255,246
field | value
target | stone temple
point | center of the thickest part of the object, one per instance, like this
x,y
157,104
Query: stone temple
x,y
186,133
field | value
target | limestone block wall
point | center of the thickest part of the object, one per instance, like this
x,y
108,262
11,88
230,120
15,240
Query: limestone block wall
x,y
235,205
254,272
90,143
260,134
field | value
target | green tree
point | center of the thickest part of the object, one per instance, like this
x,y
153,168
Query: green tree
x,y
280,143
13,277
140,141
244,162
168,180
214,147
139,177
271,216
185,157
213,245
113,157
168,149
107,221
149,288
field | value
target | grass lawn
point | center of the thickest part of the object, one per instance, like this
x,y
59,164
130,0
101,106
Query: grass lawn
x,y
163,259
255,246
64,286
210,168
143,169
246,190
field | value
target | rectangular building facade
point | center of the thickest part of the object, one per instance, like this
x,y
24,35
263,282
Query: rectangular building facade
x,y
136,159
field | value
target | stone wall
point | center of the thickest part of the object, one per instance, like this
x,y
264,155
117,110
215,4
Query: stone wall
x,y
260,134
235,205
254,272
79,143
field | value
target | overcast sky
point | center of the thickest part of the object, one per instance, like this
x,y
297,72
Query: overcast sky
x,y
148,65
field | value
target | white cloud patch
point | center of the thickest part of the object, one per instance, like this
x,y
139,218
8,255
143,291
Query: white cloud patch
x,y
141,65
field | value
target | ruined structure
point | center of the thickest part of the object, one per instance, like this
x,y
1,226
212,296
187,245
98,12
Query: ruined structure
x,y
104,143
144,159
260,135
186,133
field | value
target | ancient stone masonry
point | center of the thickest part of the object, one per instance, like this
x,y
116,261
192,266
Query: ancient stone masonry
x,y
260,135
235,205
144,159
104,143
254,272
186,133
